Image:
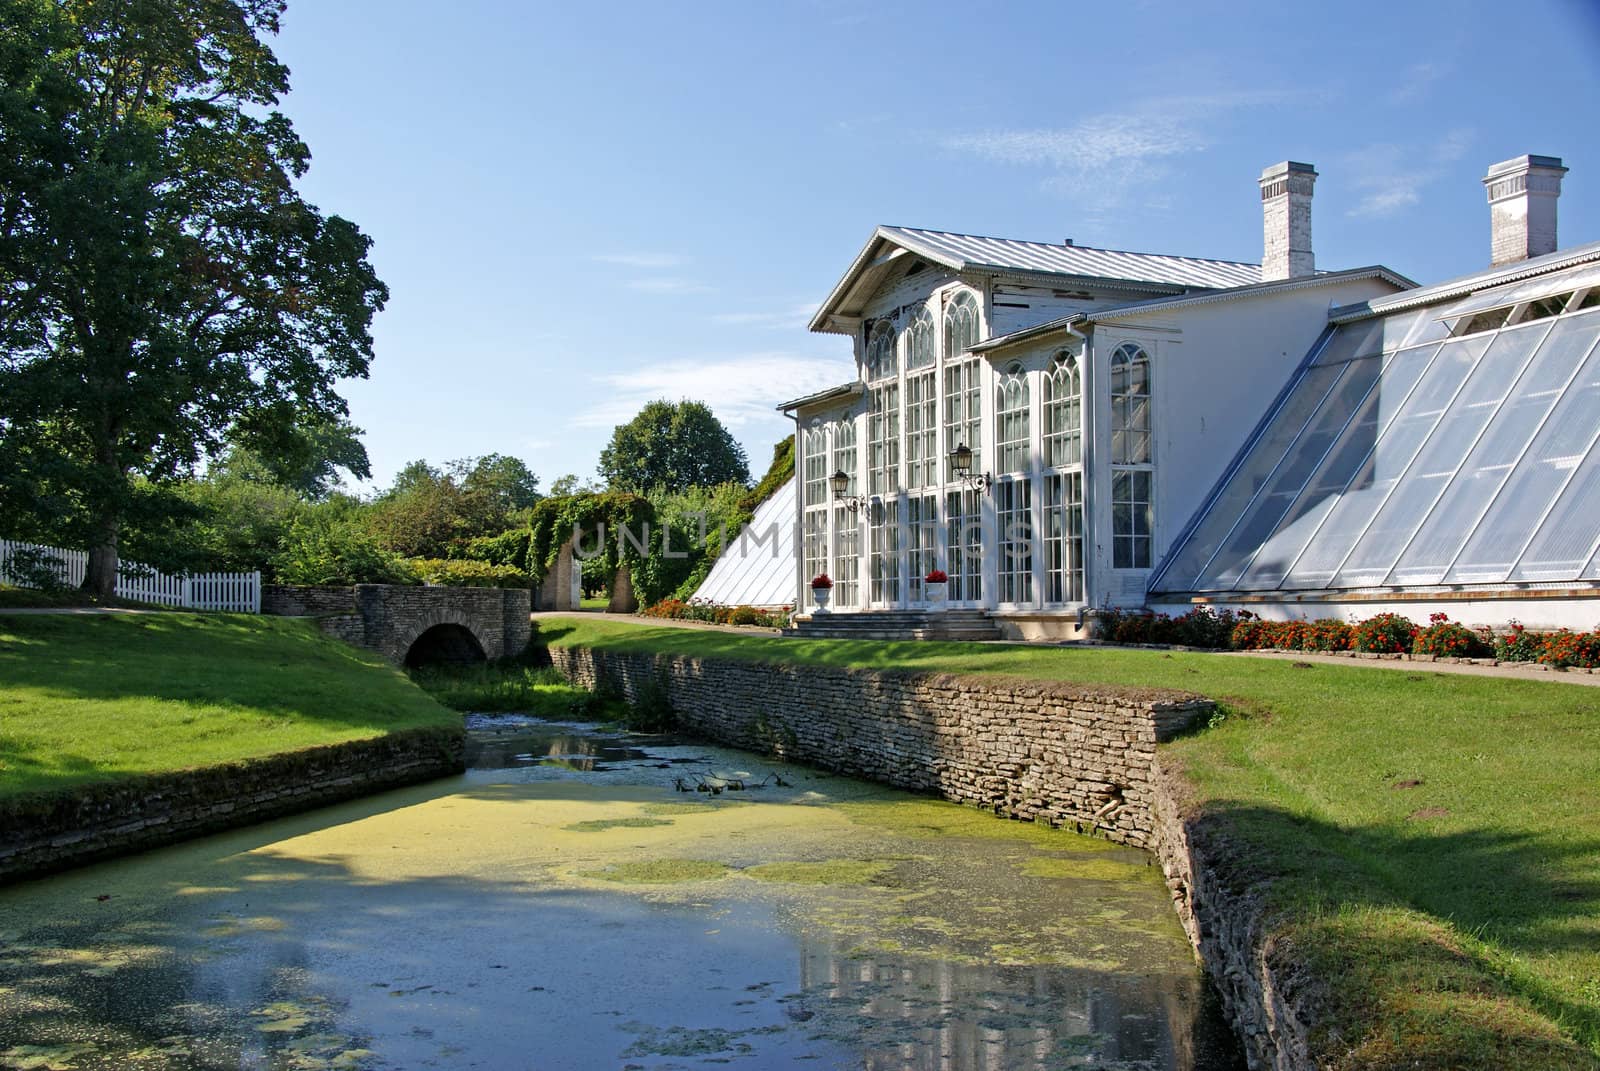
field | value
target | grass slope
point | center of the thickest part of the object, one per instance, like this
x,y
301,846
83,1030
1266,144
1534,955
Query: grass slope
x,y
1430,842
90,698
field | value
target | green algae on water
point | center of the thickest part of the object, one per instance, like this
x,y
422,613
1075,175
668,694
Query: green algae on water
x,y
659,871
599,825
916,817
827,872
1077,866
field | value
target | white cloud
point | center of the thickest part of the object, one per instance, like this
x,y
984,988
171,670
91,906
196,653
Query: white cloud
x,y
641,260
1098,159
668,285
1393,177
740,390
1414,83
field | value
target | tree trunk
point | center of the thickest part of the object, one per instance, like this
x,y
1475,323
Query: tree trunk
x,y
100,578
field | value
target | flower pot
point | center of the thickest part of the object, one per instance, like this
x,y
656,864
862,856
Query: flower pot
x,y
820,596
935,593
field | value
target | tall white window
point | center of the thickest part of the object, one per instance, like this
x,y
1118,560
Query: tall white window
x,y
1063,412
1011,421
846,524
885,557
846,558
1130,405
815,548
922,401
814,467
963,412
922,536
963,405
963,540
960,324
1132,471
881,362
814,448
883,414
1063,543
1014,514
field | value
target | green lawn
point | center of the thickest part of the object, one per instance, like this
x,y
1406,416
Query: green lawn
x,y
89,698
1430,842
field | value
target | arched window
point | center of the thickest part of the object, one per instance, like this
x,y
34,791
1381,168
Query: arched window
x,y
880,352
922,401
814,443
1011,420
960,324
846,526
922,350
1130,405
1132,471
1063,412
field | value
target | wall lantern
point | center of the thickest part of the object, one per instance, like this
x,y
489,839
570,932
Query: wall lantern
x,y
961,463
840,482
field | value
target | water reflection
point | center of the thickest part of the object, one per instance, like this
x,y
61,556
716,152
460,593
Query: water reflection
x,y
475,923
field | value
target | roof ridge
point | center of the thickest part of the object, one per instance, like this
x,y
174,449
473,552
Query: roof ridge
x,y
1074,245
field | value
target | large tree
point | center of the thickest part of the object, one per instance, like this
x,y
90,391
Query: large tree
x,y
672,447
162,284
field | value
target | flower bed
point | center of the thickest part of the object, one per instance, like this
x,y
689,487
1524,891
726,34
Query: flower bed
x,y
1383,634
714,614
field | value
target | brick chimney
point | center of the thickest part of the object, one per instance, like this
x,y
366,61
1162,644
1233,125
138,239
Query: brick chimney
x,y
1522,207
1286,221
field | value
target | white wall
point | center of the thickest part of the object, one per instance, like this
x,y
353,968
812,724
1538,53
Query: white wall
x,y
1215,370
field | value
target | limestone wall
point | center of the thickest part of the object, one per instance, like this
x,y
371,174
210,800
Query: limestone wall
x,y
42,832
1073,755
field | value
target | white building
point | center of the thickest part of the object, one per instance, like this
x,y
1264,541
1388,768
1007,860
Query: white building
x,y
1158,431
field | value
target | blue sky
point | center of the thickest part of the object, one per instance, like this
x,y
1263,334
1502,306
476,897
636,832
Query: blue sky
x,y
580,210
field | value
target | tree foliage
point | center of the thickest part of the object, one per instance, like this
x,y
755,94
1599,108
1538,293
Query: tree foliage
x,y
672,447
161,281
431,512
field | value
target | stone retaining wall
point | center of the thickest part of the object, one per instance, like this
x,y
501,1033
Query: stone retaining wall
x,y
1066,754
1226,922
44,832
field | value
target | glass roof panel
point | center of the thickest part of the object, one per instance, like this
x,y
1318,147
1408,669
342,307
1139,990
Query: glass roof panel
x,y
1434,466
1487,467
1328,483
1281,489
1186,567
1475,460
1538,479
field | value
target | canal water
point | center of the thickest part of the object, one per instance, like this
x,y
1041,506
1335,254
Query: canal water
x,y
587,899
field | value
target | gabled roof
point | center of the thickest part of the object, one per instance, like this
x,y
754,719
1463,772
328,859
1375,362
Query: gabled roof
x,y
1209,297
890,246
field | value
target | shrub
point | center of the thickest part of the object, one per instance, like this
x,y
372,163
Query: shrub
x,y
467,573
1519,645
1385,634
711,613
323,547
1202,627
36,568
1444,638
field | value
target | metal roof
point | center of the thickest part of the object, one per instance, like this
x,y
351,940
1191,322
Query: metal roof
x,y
1454,445
964,252
1117,312
853,389
754,571
1469,284
1077,264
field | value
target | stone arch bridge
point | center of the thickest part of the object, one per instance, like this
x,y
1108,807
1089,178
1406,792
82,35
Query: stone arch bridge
x,y
411,625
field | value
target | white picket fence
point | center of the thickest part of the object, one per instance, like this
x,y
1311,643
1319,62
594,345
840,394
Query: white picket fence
x,y
238,593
